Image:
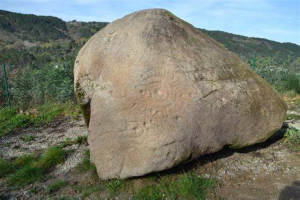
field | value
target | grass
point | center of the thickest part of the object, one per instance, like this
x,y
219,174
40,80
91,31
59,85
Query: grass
x,y
5,167
293,116
185,186
81,140
28,138
52,157
11,119
292,138
24,160
28,168
26,175
86,164
114,186
89,189
56,186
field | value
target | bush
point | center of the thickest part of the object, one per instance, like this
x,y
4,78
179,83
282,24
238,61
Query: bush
x,y
35,86
292,82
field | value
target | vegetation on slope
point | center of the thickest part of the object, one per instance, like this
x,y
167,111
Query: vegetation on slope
x,y
43,72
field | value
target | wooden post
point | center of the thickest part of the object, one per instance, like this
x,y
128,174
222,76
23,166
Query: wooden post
x,y
6,85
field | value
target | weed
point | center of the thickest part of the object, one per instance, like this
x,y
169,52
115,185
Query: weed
x,y
114,186
89,189
86,164
34,190
190,185
81,139
292,137
66,142
56,186
293,116
28,138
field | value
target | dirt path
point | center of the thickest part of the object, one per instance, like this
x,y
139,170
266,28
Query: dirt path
x,y
270,170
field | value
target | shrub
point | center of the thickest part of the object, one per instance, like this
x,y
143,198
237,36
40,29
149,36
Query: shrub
x,y
292,82
35,86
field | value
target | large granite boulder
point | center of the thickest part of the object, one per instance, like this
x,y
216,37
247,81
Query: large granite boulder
x,y
157,92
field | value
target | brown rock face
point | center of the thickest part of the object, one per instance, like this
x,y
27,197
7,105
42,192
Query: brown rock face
x,y
156,92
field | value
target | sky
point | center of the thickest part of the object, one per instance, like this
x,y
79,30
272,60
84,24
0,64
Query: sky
x,y
277,20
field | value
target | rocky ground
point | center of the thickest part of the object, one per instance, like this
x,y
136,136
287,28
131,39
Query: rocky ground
x,y
270,170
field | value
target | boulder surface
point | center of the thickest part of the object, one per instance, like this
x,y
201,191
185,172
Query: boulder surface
x,y
157,92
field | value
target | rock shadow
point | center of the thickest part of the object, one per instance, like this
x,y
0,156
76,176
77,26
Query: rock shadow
x,y
225,152
291,192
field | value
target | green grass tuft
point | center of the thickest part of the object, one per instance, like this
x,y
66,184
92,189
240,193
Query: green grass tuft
x,y
28,169
186,186
52,157
6,168
24,160
26,175
114,186
56,186
292,137
81,140
86,164
28,138
293,116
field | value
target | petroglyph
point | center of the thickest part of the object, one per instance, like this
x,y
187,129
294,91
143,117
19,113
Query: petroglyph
x,y
160,94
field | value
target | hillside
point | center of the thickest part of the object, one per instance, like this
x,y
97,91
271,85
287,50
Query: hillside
x,y
44,41
30,38
245,47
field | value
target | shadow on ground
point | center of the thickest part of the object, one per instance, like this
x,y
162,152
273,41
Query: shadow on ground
x,y
291,192
225,152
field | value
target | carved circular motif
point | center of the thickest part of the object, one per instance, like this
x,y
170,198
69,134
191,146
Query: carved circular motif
x,y
161,94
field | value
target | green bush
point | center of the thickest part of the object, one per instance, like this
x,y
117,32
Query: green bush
x,y
35,86
292,82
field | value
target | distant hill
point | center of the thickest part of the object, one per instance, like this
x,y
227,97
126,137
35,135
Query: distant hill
x,y
245,47
27,38
16,27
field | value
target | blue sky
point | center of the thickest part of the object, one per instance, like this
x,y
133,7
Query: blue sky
x,y
277,20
